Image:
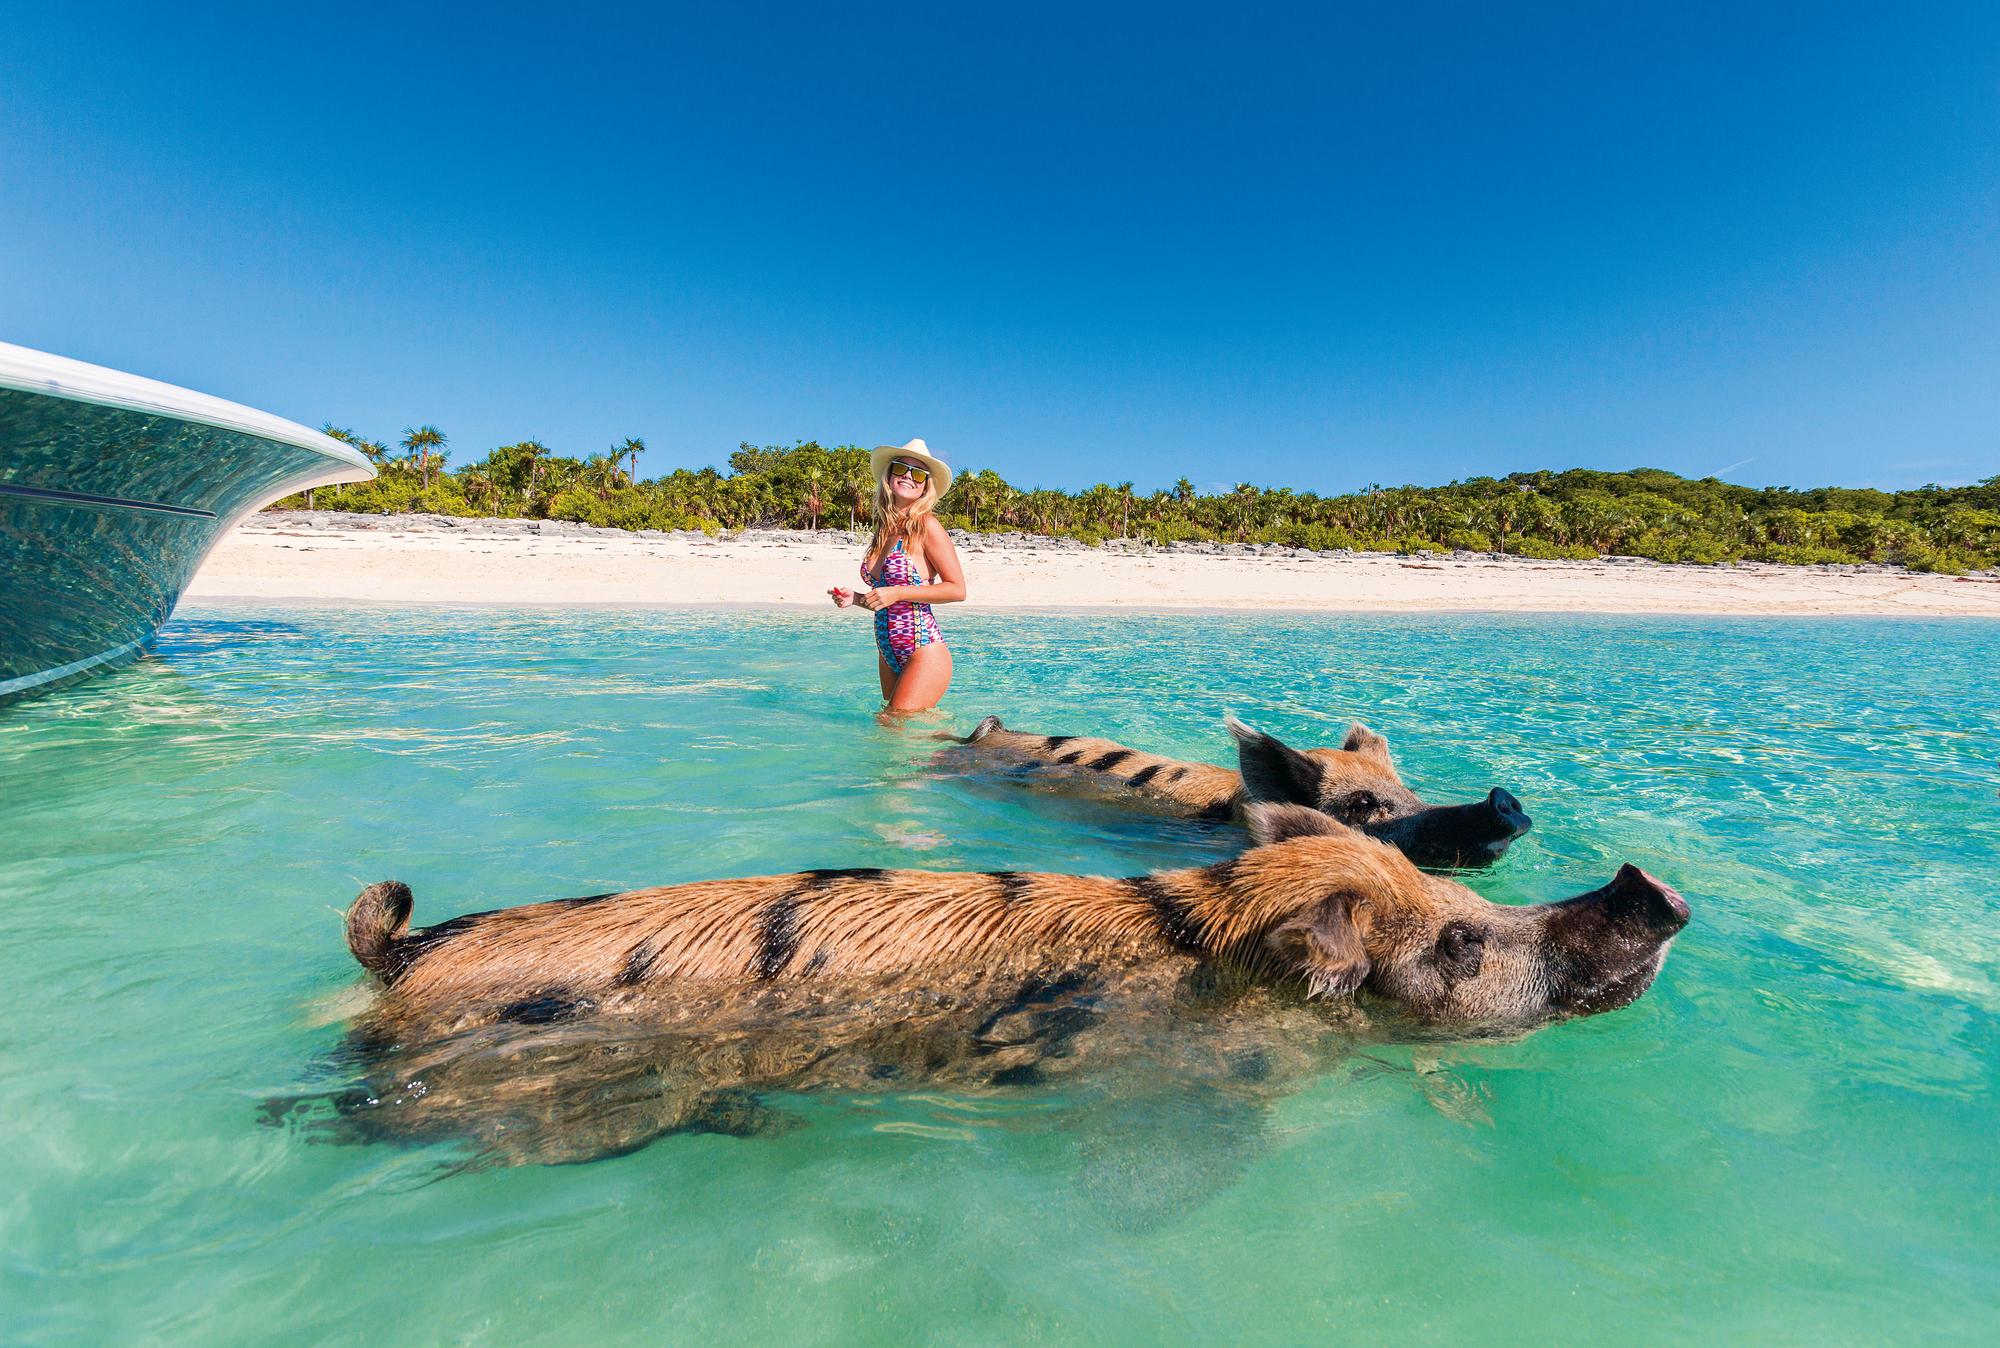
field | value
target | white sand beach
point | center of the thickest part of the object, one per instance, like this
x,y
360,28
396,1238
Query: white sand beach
x,y
431,559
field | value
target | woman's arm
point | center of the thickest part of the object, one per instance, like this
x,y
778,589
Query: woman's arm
x,y
948,579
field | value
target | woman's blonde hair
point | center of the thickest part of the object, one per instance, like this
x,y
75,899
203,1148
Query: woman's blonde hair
x,y
894,521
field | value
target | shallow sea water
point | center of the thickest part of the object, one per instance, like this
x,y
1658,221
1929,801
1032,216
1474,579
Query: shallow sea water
x,y
1790,1138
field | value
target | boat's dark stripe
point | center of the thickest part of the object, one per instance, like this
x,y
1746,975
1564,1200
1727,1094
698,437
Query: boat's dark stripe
x,y
86,498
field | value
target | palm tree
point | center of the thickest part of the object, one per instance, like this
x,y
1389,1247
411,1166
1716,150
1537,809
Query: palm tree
x,y
1402,509
536,452
600,474
860,494
977,491
1044,509
1125,506
1095,505
420,442
1001,499
1963,527
1539,515
632,448
1444,514
332,432
1497,515
480,487
1589,517
373,449
1245,500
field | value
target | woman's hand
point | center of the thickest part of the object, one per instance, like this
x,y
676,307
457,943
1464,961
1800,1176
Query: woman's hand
x,y
877,600
842,596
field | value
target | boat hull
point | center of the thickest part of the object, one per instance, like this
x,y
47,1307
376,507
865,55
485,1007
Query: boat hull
x,y
106,512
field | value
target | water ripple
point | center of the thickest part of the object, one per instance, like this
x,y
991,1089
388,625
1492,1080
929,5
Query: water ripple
x,y
1795,1124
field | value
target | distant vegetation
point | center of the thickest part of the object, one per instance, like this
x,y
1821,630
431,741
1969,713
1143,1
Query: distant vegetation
x,y
1580,513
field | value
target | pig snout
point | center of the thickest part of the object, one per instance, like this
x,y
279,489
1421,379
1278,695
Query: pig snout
x,y
1487,825
1462,835
1634,907
1603,948
1636,897
1509,819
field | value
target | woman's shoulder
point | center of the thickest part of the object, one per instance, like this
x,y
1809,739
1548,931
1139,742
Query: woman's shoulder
x,y
934,530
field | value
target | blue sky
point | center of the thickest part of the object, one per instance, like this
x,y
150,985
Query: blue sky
x,y
1315,246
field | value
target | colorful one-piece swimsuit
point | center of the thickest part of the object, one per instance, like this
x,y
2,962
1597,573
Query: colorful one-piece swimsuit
x,y
901,628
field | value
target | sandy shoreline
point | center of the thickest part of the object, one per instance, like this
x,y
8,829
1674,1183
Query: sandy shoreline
x,y
424,559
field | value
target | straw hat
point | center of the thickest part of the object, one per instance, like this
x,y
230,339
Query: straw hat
x,y
878,462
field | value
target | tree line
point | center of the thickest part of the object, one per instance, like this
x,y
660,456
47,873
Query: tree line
x,y
1580,513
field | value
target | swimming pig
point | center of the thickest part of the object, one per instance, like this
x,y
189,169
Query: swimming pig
x,y
1356,784
581,1028
1313,905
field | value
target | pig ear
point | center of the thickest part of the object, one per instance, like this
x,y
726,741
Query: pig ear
x,y
1361,740
1273,771
1270,822
1322,945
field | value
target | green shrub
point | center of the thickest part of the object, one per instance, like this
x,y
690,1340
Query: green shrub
x,y
389,494
1939,561
1697,548
1541,549
580,507
1803,555
1643,512
443,498
1317,537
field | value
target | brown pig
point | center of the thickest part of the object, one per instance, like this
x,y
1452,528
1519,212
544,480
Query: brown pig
x,y
582,1028
1313,905
1356,783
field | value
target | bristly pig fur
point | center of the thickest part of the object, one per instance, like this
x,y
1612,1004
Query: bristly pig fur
x,y
585,1027
1314,904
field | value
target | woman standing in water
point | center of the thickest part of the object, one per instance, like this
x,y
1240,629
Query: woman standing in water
x,y
909,545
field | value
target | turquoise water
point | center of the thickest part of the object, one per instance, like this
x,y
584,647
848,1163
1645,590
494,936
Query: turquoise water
x,y
1791,1137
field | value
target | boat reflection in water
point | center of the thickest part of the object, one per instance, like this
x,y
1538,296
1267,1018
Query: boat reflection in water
x,y
112,490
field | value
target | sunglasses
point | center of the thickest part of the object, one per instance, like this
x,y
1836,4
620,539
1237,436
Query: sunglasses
x,y
897,468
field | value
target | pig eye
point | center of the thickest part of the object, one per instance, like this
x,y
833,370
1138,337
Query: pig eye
x,y
1361,803
1460,951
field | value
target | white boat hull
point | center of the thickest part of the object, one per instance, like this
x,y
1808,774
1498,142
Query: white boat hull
x,y
113,489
